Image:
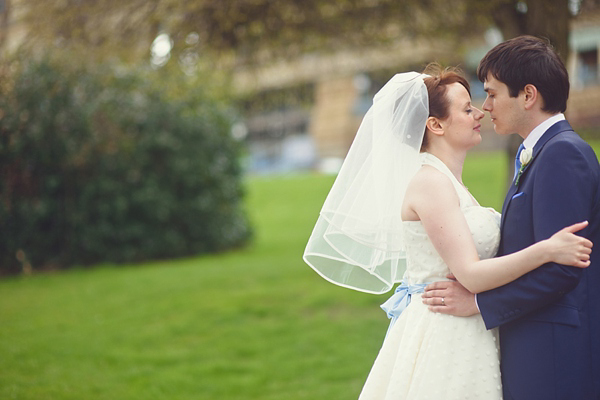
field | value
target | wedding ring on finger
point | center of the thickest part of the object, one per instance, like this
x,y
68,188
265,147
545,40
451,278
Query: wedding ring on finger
x,y
443,302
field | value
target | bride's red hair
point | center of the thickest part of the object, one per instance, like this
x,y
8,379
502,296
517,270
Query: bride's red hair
x,y
439,78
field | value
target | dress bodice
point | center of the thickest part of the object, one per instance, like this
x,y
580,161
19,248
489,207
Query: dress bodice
x,y
424,264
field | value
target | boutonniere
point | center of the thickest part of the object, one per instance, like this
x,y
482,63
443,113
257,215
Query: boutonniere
x,y
525,158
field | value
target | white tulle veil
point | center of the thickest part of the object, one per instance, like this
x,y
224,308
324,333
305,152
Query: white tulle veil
x,y
358,241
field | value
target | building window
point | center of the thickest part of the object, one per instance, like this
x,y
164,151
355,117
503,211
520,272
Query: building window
x,y
276,130
588,67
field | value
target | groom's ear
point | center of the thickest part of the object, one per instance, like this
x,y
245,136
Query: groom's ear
x,y
531,96
434,126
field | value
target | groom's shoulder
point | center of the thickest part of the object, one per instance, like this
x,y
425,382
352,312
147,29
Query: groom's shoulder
x,y
567,138
567,147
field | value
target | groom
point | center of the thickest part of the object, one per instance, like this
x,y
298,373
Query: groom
x,y
549,319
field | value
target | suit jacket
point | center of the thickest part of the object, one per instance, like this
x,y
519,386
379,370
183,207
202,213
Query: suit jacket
x,y
549,319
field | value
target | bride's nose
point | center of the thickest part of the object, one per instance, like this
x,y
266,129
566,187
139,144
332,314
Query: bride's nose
x,y
478,113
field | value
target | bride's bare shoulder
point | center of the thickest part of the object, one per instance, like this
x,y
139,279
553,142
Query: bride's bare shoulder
x,y
430,181
429,192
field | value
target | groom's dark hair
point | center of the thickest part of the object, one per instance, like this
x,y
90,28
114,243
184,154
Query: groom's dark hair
x,y
528,60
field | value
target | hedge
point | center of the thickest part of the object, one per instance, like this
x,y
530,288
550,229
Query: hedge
x,y
99,166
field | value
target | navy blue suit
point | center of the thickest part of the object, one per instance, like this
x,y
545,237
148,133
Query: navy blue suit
x,y
549,319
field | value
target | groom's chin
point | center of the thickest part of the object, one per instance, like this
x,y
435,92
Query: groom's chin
x,y
502,132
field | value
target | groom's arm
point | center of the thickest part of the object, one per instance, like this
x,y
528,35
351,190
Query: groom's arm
x,y
563,193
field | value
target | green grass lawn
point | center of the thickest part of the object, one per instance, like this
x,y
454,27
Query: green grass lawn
x,y
256,323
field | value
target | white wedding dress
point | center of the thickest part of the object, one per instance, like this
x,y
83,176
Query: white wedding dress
x,y
436,356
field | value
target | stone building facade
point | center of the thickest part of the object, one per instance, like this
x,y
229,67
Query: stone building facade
x,y
344,83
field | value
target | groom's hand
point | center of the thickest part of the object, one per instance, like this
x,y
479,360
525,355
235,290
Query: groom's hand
x,y
450,297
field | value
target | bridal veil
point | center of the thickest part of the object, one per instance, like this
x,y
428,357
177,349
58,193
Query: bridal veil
x,y
357,241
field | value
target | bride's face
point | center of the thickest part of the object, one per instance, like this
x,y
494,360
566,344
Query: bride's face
x,y
462,126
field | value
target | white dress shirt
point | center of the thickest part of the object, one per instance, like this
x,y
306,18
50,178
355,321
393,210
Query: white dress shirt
x,y
537,132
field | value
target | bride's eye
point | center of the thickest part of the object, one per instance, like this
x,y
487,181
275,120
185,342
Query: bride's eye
x,y
469,110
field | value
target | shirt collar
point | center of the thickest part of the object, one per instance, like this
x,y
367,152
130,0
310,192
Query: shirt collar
x,y
535,135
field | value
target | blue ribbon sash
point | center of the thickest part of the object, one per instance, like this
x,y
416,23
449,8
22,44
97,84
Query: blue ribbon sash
x,y
398,302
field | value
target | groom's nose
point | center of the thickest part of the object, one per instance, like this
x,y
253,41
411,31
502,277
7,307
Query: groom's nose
x,y
487,104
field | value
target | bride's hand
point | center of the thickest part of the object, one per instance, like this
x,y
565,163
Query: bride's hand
x,y
569,249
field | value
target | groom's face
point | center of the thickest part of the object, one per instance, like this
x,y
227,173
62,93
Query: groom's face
x,y
505,111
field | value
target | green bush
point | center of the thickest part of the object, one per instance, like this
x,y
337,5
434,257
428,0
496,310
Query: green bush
x,y
98,166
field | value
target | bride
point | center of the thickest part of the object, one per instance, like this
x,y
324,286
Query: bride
x,y
399,212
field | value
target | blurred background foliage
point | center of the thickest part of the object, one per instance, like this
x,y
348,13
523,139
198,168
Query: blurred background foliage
x,y
256,31
101,164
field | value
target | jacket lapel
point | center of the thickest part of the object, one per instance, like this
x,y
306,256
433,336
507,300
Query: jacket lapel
x,y
560,126
511,192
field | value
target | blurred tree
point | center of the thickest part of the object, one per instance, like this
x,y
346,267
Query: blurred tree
x,y
106,29
235,33
243,30
4,22
254,31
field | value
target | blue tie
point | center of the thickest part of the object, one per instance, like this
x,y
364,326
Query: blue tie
x,y
518,161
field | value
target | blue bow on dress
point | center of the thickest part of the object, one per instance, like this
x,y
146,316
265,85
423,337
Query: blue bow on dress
x,y
400,300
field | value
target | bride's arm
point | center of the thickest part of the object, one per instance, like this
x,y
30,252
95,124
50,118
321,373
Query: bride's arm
x,y
433,198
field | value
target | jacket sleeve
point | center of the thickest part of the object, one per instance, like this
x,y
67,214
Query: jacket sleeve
x,y
562,193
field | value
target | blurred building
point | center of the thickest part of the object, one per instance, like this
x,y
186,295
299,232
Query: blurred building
x,y
584,102
337,89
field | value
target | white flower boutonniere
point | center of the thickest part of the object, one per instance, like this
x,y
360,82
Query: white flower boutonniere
x,y
525,158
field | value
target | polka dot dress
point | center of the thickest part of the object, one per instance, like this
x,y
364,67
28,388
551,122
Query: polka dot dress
x,y
435,356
